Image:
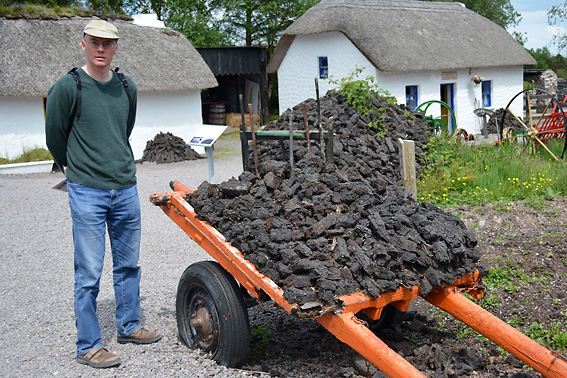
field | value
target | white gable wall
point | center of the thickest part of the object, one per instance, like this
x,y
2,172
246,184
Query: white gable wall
x,y
177,112
22,124
300,67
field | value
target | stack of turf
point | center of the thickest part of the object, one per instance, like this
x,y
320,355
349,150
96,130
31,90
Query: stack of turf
x,y
322,230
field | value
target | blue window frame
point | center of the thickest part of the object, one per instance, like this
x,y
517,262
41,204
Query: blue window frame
x,y
411,96
323,67
486,94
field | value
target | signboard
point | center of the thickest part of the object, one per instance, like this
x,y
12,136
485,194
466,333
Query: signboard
x,y
206,135
448,75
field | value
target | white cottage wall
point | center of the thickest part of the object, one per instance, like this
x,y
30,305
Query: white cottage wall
x,y
177,112
506,83
301,65
22,124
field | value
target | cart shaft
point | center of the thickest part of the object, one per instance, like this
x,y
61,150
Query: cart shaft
x,y
550,365
351,331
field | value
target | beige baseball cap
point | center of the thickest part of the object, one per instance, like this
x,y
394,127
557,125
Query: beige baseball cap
x,y
101,29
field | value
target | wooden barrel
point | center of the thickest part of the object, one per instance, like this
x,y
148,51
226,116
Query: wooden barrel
x,y
217,115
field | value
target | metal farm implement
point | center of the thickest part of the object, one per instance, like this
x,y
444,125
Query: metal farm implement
x,y
538,128
212,312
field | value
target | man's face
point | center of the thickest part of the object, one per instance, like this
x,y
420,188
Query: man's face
x,y
100,51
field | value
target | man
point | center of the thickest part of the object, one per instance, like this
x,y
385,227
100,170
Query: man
x,y
87,133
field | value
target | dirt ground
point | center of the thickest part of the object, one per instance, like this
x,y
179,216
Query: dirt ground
x,y
524,246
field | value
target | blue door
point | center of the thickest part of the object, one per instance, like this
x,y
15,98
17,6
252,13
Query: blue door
x,y
448,97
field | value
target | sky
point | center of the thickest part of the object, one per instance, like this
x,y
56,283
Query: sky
x,y
534,22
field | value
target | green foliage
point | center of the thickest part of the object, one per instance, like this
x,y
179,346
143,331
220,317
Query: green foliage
x,y
214,23
545,60
359,94
29,155
501,12
196,20
54,8
553,336
458,174
261,22
510,278
45,3
45,11
555,16
263,337
106,6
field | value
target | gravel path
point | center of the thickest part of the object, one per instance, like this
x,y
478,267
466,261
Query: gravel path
x,y
37,330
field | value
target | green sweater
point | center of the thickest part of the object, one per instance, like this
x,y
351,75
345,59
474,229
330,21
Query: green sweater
x,y
95,147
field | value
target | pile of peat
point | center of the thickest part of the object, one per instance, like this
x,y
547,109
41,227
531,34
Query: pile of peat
x,y
509,122
168,148
354,142
322,230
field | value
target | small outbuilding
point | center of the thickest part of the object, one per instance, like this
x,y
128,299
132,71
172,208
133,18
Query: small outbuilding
x,y
239,71
167,69
417,50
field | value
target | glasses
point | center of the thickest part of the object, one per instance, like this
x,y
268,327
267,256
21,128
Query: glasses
x,y
105,45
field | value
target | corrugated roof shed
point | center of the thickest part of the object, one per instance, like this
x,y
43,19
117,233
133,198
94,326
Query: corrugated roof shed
x,y
235,60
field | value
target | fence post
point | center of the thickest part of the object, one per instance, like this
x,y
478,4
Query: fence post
x,y
407,165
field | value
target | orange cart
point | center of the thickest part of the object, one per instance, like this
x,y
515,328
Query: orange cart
x,y
212,299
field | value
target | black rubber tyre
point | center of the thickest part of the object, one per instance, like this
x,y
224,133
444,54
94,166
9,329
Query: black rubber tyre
x,y
212,315
390,318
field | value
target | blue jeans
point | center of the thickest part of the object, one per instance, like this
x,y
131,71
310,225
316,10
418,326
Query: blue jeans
x,y
92,211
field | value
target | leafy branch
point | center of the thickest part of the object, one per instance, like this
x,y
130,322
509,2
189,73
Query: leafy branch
x,y
359,94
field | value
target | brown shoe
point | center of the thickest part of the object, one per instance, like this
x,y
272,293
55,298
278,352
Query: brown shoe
x,y
99,358
140,336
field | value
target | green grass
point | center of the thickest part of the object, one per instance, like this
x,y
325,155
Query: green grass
x,y
263,337
552,336
16,10
29,155
458,174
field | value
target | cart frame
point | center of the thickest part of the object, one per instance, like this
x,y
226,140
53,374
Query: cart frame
x,y
342,322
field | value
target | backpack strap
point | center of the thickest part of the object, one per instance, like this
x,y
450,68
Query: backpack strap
x,y
125,84
77,110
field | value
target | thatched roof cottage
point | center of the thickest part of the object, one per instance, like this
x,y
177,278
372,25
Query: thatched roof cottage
x,y
168,72
416,50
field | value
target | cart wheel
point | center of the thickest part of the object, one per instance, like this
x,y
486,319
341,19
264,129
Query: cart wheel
x,y
389,318
438,124
211,314
549,126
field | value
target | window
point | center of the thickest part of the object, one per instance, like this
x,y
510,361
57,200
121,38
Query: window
x,y
323,67
486,94
411,96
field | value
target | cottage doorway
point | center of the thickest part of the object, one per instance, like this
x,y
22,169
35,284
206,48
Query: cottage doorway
x,y
448,97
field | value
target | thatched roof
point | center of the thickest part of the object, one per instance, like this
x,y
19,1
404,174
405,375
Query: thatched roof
x,y
35,53
400,36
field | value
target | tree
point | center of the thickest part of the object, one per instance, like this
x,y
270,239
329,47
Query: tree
x,y
542,56
261,22
201,21
106,6
210,23
545,60
500,12
555,16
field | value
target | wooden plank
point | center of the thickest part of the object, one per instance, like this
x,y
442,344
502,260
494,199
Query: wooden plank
x,y
408,164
